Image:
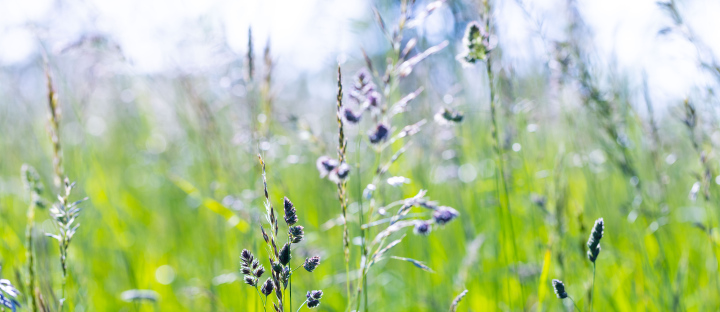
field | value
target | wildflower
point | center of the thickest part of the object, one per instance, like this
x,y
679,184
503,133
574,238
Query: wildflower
x,y
444,214
379,134
594,240
559,289
311,263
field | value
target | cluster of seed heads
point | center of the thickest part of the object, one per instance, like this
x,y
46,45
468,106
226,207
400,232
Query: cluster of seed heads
x,y
313,298
251,268
594,240
279,258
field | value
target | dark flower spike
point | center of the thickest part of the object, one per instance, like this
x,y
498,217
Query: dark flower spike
x,y
265,236
246,258
290,213
267,287
444,214
313,298
422,228
447,116
350,116
325,165
594,240
297,233
340,173
259,272
380,134
285,255
311,263
250,280
559,288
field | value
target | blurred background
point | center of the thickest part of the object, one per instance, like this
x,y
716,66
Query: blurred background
x,y
605,109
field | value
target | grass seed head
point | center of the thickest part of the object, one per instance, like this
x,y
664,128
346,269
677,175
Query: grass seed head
x,y
594,240
267,287
559,288
290,213
285,255
380,134
311,263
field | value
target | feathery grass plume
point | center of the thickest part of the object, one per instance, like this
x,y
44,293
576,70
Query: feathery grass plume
x,y
311,263
559,288
341,182
594,250
456,302
31,180
250,58
594,240
8,295
54,128
64,214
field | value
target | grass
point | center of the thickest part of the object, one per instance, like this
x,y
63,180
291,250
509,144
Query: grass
x,y
176,194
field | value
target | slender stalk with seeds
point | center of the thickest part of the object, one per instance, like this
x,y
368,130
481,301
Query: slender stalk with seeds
x,y
342,184
54,129
480,46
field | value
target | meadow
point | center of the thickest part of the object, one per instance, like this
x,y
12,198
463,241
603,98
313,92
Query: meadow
x,y
426,169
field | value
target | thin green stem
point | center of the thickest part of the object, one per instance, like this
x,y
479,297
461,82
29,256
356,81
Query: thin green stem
x,y
575,304
30,254
303,304
592,296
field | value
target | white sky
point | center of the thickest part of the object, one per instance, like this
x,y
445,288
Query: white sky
x,y
157,35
